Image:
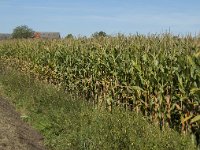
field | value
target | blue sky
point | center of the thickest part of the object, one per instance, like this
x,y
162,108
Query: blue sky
x,y
84,17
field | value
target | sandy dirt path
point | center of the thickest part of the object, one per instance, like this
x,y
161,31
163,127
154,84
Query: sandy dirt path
x,y
14,133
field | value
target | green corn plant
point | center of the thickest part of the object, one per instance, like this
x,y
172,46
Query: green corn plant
x,y
156,75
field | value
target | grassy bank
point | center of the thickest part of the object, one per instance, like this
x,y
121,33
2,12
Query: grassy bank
x,y
68,122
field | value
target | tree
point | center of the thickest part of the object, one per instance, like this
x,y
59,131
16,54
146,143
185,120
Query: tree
x,y
69,36
22,31
99,34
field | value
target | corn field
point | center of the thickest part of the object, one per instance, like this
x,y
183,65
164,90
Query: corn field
x,y
156,75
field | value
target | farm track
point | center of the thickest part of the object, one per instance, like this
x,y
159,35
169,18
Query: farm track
x,y
14,133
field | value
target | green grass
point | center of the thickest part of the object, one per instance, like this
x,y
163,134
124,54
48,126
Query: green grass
x,y
69,122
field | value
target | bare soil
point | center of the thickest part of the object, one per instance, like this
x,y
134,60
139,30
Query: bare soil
x,y
14,133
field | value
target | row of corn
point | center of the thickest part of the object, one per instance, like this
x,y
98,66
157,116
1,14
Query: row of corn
x,y
156,75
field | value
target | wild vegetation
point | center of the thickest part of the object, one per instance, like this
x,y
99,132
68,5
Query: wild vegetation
x,y
156,75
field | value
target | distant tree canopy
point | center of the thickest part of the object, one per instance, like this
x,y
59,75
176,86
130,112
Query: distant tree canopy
x,y
69,36
22,31
99,34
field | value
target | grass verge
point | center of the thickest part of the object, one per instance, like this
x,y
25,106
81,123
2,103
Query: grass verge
x,y
68,122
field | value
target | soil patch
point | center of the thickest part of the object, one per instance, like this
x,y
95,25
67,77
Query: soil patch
x,y
14,133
